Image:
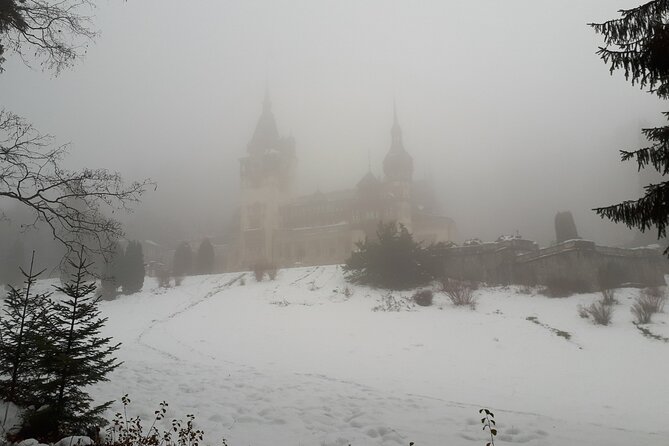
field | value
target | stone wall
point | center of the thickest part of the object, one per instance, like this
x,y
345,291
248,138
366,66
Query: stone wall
x,y
578,264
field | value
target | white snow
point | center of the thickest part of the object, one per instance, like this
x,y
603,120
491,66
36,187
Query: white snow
x,y
294,361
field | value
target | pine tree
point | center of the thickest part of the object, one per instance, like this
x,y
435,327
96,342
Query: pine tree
x,y
132,270
638,44
79,357
565,228
112,274
22,335
205,257
183,260
395,260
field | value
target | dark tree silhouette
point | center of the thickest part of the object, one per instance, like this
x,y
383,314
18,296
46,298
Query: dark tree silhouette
x,y
394,261
80,356
22,328
638,44
183,260
205,257
132,269
565,228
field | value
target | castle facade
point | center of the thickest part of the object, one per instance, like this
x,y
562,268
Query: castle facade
x,y
277,226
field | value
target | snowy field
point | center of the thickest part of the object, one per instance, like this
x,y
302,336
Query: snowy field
x,y
297,362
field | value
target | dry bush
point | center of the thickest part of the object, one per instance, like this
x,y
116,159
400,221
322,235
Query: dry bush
x,y
600,312
460,292
125,431
583,311
423,298
650,301
259,269
272,271
609,296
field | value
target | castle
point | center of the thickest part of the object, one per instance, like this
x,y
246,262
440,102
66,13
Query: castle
x,y
277,226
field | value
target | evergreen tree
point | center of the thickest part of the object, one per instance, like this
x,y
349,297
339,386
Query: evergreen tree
x,y
79,357
22,335
395,260
183,260
132,271
205,257
638,44
112,273
565,228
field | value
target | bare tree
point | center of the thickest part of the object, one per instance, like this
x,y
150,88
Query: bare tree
x,y
71,203
54,31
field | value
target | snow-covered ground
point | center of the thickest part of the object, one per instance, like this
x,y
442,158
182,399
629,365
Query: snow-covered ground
x,y
295,361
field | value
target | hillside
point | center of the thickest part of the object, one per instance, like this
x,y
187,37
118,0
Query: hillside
x,y
296,361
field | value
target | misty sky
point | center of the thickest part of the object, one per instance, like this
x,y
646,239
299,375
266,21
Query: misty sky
x,y
504,104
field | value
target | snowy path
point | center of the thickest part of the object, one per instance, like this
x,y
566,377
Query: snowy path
x,y
296,362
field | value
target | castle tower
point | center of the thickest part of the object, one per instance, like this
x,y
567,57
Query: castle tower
x,y
267,178
398,173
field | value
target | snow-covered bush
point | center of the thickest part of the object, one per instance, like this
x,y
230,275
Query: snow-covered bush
x,y
391,303
650,301
609,296
460,292
600,312
423,297
583,312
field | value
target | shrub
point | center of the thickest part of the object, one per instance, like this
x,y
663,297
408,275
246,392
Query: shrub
x,y
650,301
423,298
656,297
460,292
125,431
583,311
601,313
609,296
259,270
272,271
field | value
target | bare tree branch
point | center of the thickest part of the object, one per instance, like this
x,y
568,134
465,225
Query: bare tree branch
x,y
72,204
55,32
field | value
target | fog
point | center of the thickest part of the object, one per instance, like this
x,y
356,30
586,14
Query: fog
x,y
503,104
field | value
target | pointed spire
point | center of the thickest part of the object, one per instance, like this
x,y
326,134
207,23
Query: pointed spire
x,y
266,136
398,164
